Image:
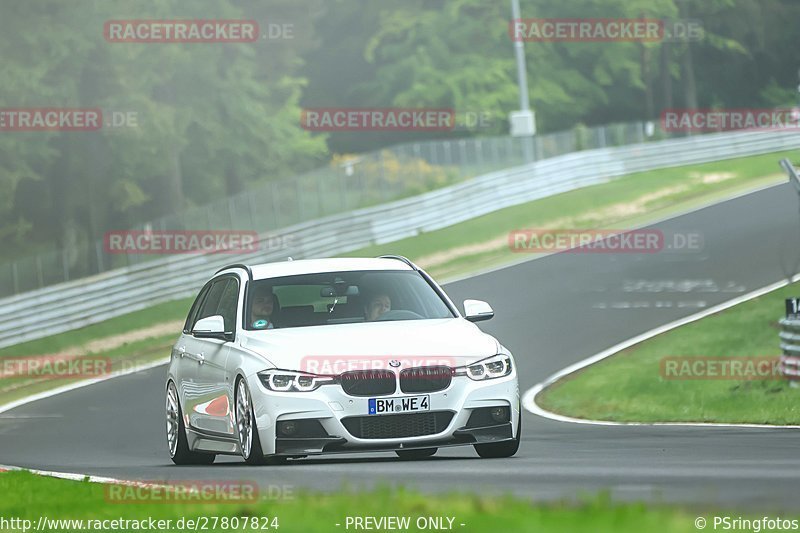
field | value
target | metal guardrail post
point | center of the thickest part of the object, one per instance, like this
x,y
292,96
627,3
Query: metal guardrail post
x,y
14,278
794,179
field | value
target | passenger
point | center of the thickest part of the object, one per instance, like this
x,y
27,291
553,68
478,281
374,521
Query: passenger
x,y
263,307
377,305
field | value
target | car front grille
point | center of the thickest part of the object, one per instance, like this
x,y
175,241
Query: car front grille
x,y
398,426
425,379
368,382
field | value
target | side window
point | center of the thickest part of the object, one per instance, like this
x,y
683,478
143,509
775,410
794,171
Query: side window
x,y
211,304
228,304
190,319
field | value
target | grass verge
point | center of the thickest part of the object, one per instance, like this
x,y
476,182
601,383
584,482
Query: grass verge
x,y
137,320
29,497
128,340
637,385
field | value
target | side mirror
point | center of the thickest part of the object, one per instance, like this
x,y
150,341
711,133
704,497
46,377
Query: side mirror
x,y
212,327
477,310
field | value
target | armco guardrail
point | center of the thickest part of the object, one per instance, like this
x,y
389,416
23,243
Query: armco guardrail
x,y
346,183
790,348
70,305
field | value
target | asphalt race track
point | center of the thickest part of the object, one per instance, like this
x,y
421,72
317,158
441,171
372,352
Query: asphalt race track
x,y
551,312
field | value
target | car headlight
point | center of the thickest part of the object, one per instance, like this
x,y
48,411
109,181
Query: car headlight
x,y
289,381
493,367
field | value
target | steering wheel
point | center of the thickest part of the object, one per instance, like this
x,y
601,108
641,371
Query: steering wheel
x,y
399,314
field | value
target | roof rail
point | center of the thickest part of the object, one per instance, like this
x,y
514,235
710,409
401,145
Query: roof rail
x,y
400,258
238,265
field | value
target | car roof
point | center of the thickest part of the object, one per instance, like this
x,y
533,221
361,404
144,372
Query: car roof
x,y
313,266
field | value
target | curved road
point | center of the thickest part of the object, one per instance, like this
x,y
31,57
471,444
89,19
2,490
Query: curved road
x,y
551,313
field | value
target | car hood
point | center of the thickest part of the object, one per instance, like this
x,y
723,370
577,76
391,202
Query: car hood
x,y
452,341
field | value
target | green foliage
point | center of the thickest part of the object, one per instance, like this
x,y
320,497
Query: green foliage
x,y
217,119
211,119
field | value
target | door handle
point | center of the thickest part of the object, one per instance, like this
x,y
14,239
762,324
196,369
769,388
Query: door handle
x,y
200,357
182,350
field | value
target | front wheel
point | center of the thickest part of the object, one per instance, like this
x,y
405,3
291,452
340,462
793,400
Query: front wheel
x,y
247,430
177,444
496,450
246,427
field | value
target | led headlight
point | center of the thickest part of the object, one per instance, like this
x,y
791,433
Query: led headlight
x,y
289,381
493,367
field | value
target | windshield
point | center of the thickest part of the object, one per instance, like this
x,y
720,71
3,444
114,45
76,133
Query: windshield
x,y
342,298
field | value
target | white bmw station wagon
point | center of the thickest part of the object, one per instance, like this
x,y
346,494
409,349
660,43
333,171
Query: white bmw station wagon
x,y
298,358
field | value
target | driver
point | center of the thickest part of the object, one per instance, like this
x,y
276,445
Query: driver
x,y
377,305
263,305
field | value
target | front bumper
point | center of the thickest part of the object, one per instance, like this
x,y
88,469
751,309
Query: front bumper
x,y
335,411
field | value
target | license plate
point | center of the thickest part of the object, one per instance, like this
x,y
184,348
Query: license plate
x,y
403,404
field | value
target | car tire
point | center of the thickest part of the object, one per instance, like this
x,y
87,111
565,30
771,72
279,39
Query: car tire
x,y
246,426
497,450
420,453
253,453
177,443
